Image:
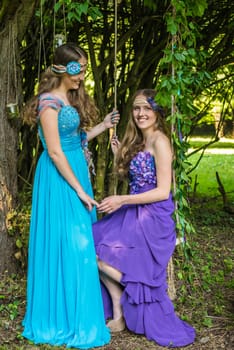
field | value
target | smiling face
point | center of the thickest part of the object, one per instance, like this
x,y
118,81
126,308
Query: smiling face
x,y
144,116
72,82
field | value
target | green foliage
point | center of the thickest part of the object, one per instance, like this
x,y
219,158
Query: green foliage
x,y
18,227
216,100
11,292
204,174
76,10
150,4
11,309
174,92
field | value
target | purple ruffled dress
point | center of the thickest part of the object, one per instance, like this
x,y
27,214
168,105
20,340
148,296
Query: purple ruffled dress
x,y
139,240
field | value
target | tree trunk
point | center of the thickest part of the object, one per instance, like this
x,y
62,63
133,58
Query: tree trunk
x,y
14,19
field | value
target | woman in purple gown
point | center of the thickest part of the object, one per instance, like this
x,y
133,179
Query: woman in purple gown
x,y
135,241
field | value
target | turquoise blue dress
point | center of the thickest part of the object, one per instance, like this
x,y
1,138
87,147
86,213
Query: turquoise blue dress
x,y
64,302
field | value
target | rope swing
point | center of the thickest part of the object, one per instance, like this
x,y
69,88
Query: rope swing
x,y
115,63
61,38
112,131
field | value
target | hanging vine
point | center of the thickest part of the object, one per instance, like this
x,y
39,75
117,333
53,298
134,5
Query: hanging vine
x,y
176,91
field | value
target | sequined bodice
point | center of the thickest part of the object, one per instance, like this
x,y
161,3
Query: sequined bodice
x,y
142,172
68,122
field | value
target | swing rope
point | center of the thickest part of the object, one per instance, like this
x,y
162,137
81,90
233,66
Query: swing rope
x,y
115,62
41,43
59,39
181,239
112,131
64,22
170,266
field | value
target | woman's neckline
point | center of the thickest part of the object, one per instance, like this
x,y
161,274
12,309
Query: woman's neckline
x,y
145,152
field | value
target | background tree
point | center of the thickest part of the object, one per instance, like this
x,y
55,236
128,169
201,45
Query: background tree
x,y
14,18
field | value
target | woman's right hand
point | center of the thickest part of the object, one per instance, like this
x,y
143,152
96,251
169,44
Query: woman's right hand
x,y
115,144
110,204
87,200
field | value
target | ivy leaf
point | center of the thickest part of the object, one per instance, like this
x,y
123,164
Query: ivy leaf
x,y
84,7
171,26
180,57
94,13
18,243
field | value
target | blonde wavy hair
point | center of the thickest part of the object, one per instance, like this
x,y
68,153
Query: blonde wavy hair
x,y
79,98
133,141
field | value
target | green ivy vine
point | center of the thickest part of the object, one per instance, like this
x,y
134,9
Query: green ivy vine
x,y
176,91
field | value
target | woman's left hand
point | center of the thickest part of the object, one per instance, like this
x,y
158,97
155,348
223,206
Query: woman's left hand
x,y
115,144
111,119
110,204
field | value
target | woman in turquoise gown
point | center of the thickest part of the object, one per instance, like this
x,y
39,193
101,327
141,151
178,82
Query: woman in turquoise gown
x,y
64,303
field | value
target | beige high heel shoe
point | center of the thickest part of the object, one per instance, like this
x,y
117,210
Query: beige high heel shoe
x,y
116,325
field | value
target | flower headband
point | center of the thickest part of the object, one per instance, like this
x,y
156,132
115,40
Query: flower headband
x,y
155,107
72,68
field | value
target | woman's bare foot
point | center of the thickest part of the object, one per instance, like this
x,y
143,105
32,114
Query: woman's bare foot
x,y
116,325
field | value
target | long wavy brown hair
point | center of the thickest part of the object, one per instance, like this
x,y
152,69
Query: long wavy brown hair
x,y
133,141
49,80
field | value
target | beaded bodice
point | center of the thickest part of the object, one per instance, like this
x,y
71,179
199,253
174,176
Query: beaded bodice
x,y
142,172
68,121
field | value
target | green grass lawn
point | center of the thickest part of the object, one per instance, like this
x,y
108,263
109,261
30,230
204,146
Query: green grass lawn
x,y
223,143
218,158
